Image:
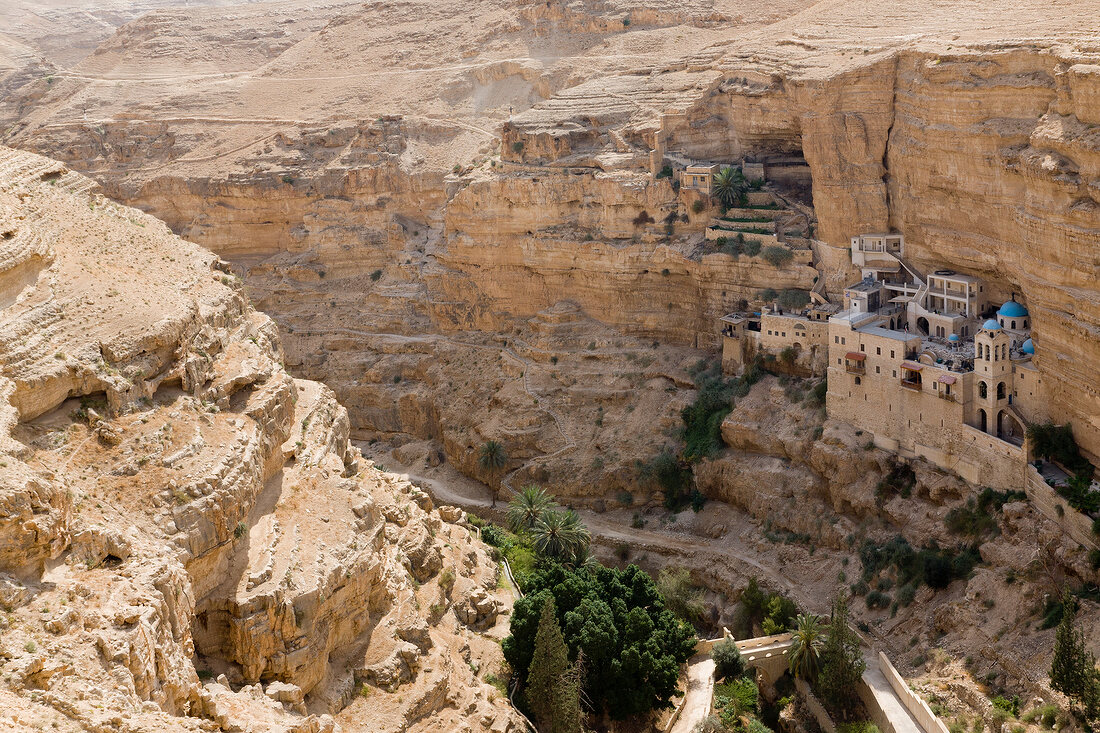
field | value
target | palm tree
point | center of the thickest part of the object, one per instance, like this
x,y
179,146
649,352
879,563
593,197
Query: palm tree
x,y
583,559
527,507
729,186
492,457
808,639
560,535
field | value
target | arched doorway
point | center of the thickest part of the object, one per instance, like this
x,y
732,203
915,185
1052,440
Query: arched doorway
x,y
1001,391
1009,428
922,325
983,422
983,390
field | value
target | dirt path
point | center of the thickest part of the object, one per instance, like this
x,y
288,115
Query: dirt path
x,y
700,690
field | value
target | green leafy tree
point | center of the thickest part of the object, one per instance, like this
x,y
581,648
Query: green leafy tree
x,y
560,535
492,458
728,663
1073,669
842,663
729,186
549,663
528,506
808,641
633,644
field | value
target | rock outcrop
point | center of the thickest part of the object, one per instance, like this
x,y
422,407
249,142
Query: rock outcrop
x,y
176,507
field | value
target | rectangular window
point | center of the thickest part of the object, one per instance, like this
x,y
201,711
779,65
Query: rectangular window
x,y
836,339
891,353
878,351
877,370
895,373
842,341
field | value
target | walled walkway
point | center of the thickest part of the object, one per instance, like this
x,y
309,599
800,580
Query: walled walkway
x,y
700,690
887,699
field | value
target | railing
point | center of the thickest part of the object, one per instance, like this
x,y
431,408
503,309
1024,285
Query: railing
x,y
948,396
908,384
855,369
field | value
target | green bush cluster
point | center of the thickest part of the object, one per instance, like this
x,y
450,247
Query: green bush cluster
x,y
979,517
900,481
931,565
633,645
773,611
777,256
793,299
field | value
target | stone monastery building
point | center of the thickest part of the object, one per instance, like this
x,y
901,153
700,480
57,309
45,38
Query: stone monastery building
x,y
927,364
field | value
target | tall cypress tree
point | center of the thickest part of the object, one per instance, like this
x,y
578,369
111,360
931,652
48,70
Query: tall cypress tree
x,y
568,717
549,665
841,660
1073,669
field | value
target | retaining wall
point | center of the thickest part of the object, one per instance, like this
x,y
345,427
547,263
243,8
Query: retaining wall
x,y
916,706
1075,524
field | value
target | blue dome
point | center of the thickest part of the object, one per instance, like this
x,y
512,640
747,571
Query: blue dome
x,y
1012,309
1028,347
953,337
991,325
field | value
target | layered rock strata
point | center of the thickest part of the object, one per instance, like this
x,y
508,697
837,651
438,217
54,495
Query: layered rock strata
x,y
178,508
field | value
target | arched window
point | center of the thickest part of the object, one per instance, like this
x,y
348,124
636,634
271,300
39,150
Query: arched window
x,y
1014,325
858,381
983,390
1004,351
1001,391
1025,323
996,352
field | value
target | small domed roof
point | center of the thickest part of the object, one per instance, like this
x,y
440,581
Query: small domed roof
x,y
1028,347
953,337
991,325
1012,309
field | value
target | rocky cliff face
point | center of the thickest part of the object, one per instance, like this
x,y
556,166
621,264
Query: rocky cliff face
x,y
178,508
978,146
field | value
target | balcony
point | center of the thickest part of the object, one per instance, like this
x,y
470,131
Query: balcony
x,y
947,396
910,384
856,368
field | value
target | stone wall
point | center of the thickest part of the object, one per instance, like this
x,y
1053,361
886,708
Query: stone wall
x,y
913,702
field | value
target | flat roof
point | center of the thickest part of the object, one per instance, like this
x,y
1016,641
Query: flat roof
x,y
888,333
700,167
865,287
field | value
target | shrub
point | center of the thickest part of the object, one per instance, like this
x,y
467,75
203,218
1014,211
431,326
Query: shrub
x,y
643,218
978,518
1010,705
727,659
374,276
877,599
666,171
681,596
858,726
240,530
752,246
698,206
767,294
637,521
793,299
777,256
740,693
517,146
